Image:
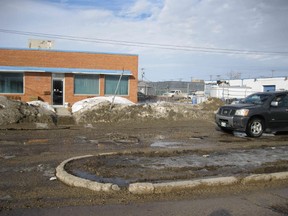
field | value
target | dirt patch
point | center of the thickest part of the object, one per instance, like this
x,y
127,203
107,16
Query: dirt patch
x,y
212,104
269,167
29,158
282,209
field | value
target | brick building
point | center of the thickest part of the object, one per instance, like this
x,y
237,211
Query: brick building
x,y
61,77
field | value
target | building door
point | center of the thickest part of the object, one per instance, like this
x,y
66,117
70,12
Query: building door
x,y
58,92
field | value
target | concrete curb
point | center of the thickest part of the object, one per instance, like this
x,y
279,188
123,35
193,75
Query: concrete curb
x,y
150,188
75,181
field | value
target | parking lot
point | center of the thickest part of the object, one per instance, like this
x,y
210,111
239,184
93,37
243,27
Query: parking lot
x,y
29,157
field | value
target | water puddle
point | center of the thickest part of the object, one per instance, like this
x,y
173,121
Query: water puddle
x,y
242,134
237,158
6,157
119,181
175,145
162,144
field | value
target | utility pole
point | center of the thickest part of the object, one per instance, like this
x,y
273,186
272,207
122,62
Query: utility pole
x,y
142,73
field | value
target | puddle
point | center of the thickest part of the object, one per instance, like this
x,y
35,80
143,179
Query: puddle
x,y
237,158
7,157
197,138
162,144
242,134
119,181
239,134
174,145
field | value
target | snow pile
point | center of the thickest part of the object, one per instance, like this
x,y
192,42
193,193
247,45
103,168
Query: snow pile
x,y
12,111
43,105
89,103
99,111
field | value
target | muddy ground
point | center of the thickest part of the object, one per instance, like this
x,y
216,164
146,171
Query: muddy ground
x,y
29,157
154,142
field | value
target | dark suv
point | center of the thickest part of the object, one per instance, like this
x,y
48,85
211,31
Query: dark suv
x,y
259,112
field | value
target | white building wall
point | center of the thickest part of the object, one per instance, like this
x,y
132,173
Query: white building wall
x,y
281,83
229,92
243,87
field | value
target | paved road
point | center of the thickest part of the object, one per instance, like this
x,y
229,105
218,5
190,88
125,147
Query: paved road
x,y
255,203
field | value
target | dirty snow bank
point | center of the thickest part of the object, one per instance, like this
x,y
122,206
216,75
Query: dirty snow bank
x,y
43,105
12,111
89,112
89,103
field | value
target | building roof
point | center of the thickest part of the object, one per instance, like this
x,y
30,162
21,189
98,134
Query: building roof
x,y
64,70
66,51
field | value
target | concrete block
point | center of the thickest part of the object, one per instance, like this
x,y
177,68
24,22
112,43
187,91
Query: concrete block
x,y
170,186
94,186
115,187
219,181
279,175
141,188
257,177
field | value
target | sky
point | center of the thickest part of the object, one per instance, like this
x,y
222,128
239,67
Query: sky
x,y
176,40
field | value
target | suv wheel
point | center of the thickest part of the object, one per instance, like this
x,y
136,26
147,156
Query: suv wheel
x,y
255,127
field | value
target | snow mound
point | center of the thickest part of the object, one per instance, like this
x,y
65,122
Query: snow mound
x,y
140,112
89,103
41,104
12,111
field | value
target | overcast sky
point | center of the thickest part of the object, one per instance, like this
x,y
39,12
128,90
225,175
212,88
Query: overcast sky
x,y
175,39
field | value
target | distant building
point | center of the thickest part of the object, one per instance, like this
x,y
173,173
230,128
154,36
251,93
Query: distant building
x,y
159,88
145,88
240,88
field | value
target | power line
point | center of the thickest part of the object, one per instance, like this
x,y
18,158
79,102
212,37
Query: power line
x,y
146,45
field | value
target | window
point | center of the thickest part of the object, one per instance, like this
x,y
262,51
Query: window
x,y
282,100
111,85
269,88
255,99
86,84
11,83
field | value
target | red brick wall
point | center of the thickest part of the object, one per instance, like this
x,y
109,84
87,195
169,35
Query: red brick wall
x,y
37,84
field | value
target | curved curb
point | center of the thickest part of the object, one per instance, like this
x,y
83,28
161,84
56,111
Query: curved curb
x,y
75,181
150,188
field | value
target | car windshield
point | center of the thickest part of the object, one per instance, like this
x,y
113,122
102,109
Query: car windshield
x,y
255,99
